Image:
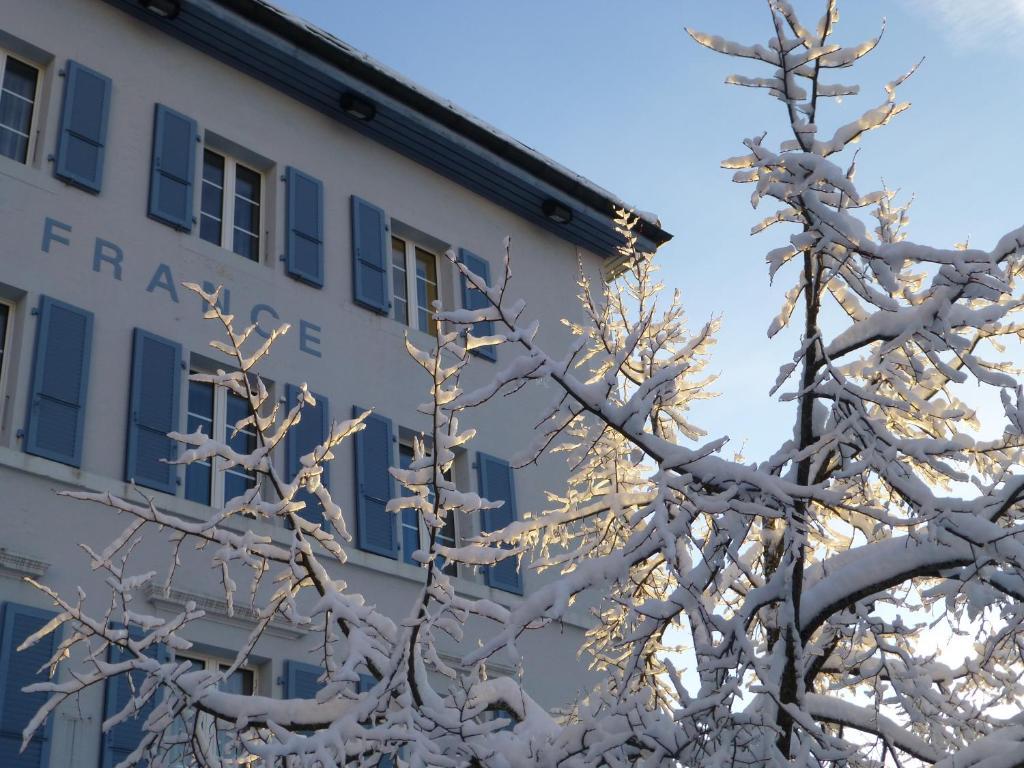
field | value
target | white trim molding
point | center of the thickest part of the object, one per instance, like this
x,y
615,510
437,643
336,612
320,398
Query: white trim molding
x,y
216,609
18,566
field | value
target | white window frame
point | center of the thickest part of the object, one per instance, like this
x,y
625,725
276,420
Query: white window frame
x,y
220,434
30,152
213,663
227,219
412,297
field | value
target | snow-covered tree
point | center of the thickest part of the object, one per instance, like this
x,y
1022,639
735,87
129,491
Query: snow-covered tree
x,y
765,613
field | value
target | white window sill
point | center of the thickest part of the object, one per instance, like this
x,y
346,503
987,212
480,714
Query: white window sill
x,y
223,256
40,178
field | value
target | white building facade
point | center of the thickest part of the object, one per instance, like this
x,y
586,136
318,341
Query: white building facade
x,y
222,142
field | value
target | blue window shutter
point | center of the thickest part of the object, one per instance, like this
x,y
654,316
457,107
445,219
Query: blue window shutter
x,y
370,249
172,176
18,669
153,411
60,377
497,483
473,299
301,681
82,137
375,527
305,227
302,439
121,740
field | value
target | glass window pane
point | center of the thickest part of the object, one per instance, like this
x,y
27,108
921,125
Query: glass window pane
x,y
401,312
195,665
426,266
20,78
401,290
199,475
17,102
238,409
13,145
242,441
398,281
426,290
424,322
247,184
247,245
446,538
405,457
15,113
240,681
200,399
246,233
237,484
398,252
213,168
198,478
236,480
247,215
209,229
410,517
212,205
410,535
198,423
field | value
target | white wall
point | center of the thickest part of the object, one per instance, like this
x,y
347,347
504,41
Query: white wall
x,y
362,356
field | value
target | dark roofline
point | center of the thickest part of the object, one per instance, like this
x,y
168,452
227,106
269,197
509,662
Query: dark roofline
x,y
317,69
365,69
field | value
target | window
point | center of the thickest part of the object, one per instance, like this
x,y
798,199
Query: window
x,y
214,411
231,202
413,534
414,277
242,681
18,93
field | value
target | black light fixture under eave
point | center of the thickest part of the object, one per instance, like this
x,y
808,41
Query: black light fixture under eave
x,y
356,106
556,211
168,9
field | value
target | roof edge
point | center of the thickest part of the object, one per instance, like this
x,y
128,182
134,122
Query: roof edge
x,y
364,68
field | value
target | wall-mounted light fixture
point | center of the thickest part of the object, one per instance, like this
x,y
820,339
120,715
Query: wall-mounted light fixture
x,y
356,106
166,8
556,211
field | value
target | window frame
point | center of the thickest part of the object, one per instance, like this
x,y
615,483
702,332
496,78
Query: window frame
x,y
423,539
5,352
228,189
412,307
219,432
33,123
213,663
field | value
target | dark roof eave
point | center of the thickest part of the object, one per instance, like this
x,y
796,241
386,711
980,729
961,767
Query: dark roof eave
x,y
269,17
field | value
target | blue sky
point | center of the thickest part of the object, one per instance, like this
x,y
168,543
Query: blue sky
x,y
618,92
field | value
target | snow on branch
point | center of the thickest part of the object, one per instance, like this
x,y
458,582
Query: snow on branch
x,y
770,612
